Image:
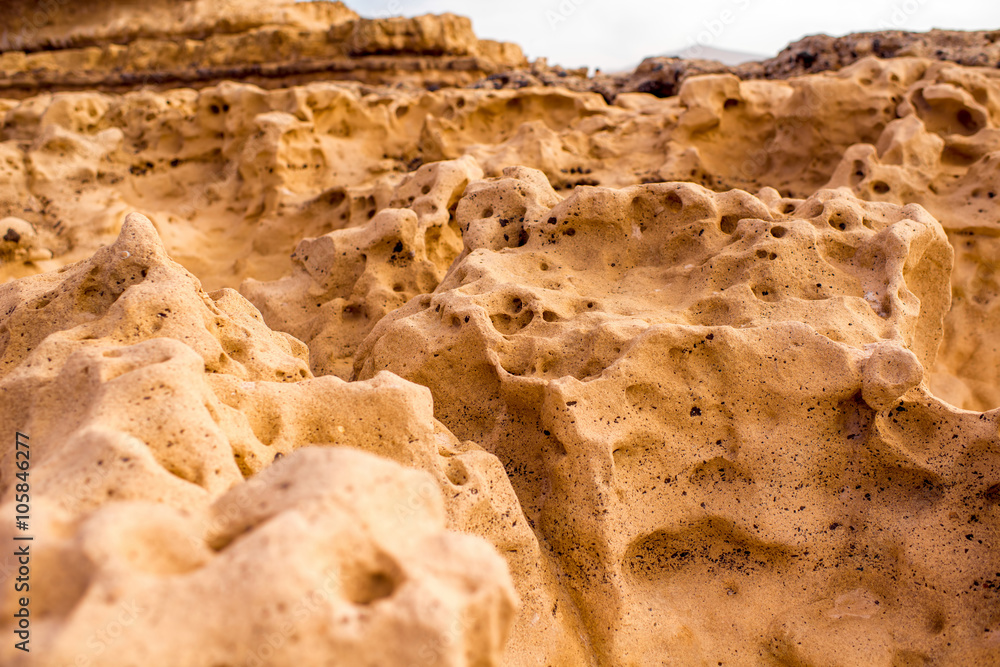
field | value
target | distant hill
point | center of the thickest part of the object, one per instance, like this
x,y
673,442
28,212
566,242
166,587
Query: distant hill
x,y
724,56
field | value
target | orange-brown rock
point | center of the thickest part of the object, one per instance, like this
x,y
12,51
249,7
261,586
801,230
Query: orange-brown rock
x,y
130,45
662,76
149,401
540,370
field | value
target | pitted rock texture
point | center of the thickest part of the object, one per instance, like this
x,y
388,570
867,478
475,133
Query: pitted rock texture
x,y
361,584
143,393
693,365
349,279
676,253
700,400
663,76
59,24
64,45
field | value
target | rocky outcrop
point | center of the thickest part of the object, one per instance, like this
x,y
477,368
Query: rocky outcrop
x,y
700,398
540,371
125,46
149,401
662,76
53,25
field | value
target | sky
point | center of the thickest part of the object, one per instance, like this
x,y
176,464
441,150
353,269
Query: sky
x,y
617,34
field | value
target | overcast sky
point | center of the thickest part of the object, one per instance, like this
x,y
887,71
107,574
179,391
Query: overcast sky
x,y
617,34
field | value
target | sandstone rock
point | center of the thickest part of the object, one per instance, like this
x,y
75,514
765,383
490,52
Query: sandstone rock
x,y
890,371
59,24
144,395
361,582
703,399
693,364
71,46
424,35
663,76
347,280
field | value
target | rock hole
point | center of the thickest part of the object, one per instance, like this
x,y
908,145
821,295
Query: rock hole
x,y
778,231
765,293
966,120
508,325
457,474
674,202
858,172
620,456
364,584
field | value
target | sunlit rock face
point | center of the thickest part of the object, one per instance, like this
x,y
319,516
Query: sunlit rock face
x,y
367,343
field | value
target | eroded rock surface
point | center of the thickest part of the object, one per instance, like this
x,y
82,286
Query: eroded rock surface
x,y
148,401
700,399
64,45
694,365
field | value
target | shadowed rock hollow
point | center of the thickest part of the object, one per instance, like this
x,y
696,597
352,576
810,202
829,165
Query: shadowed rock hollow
x,y
331,330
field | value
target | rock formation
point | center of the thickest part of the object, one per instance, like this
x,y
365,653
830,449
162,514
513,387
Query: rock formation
x,y
465,361
124,45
